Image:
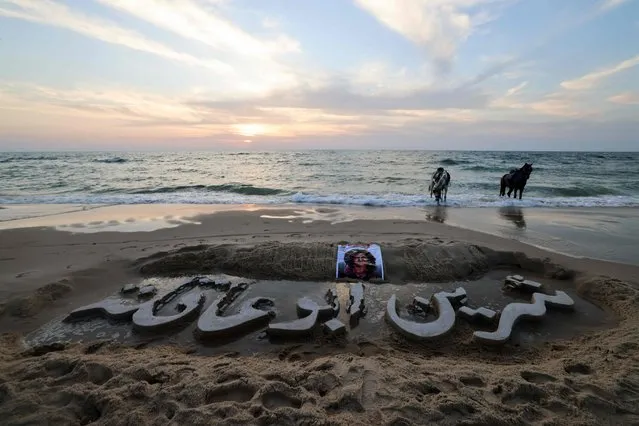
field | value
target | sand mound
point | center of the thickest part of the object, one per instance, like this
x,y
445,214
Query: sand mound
x,y
316,261
33,303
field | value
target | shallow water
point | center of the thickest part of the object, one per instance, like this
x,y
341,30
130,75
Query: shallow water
x,y
374,178
486,292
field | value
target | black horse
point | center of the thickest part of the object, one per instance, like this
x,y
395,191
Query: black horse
x,y
515,180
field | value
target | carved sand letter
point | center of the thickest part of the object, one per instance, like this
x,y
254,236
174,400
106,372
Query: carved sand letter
x,y
517,282
421,331
145,318
356,307
471,314
334,327
109,308
211,324
514,312
305,306
147,291
299,327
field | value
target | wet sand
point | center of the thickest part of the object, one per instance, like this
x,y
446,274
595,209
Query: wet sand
x,y
599,233
50,265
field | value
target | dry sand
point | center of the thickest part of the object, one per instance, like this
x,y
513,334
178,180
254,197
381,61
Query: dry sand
x,y
592,379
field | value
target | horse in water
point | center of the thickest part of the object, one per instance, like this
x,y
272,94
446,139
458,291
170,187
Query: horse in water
x,y
515,180
439,184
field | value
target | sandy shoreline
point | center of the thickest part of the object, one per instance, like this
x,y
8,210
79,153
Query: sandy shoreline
x,y
600,233
588,379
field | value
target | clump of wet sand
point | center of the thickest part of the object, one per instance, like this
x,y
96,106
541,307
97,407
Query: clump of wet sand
x,y
587,380
32,303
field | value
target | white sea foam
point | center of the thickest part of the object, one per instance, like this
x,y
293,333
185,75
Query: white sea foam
x,y
373,200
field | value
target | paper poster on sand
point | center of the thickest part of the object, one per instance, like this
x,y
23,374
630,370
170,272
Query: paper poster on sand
x,y
360,262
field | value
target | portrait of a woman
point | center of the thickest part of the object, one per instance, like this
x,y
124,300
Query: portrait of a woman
x,y
360,264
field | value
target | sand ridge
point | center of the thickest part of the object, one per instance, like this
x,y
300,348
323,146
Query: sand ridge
x,y
405,261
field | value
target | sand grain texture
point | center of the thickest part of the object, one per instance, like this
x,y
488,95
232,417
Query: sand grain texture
x,y
591,380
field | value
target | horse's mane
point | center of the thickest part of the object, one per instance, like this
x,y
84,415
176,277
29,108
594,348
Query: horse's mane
x,y
520,171
441,181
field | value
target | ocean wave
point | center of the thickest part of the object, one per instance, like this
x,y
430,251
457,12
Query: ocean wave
x,y
478,168
114,160
236,188
464,200
29,158
451,162
386,200
574,191
501,170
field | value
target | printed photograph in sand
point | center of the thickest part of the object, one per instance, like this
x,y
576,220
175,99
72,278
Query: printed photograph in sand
x,y
360,262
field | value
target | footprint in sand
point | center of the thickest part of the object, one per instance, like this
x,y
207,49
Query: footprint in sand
x,y
473,381
231,392
577,368
277,399
538,378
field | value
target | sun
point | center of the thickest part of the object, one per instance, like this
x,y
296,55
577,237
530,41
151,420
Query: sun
x,y
250,129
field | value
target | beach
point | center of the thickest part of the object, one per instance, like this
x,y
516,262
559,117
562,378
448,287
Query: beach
x,y
57,258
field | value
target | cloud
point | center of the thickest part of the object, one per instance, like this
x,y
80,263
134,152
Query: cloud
x,y
192,20
118,104
508,100
627,98
338,94
270,23
109,116
589,81
438,26
51,13
611,4
557,104
257,61
514,90
506,65
557,107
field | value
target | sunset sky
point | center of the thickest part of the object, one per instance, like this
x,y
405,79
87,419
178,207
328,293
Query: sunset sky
x,y
300,74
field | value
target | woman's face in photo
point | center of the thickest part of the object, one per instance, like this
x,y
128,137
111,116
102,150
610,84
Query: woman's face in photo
x,y
360,259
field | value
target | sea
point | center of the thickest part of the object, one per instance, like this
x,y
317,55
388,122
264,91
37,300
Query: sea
x,y
367,178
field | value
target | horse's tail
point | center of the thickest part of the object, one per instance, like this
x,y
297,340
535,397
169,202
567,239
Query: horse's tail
x,y
502,189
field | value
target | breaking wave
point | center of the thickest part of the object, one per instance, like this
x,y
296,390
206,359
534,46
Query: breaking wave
x,y
115,160
235,188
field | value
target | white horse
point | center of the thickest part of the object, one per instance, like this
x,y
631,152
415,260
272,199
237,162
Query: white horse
x,y
439,184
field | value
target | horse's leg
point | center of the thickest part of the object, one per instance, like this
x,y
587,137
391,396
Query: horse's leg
x,y
445,193
502,188
521,191
510,191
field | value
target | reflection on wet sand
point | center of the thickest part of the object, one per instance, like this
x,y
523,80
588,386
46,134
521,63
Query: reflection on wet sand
x,y
437,214
514,215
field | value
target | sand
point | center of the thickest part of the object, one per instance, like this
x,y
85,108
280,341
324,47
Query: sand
x,y
590,379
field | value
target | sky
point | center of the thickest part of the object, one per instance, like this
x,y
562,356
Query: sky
x,y
319,74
